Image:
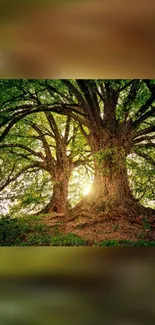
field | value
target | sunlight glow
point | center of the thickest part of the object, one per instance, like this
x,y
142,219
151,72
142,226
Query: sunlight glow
x,y
86,188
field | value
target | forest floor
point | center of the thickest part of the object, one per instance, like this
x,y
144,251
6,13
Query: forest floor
x,y
98,228
82,230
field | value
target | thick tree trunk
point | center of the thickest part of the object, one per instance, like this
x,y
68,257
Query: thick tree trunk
x,y
111,180
59,200
110,191
111,186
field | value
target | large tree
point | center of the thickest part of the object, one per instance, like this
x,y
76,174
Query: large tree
x,y
117,119
44,141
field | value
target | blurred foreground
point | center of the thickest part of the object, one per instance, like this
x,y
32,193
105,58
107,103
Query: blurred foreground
x,y
77,286
77,39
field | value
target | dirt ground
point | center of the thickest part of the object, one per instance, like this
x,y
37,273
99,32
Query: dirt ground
x,y
96,228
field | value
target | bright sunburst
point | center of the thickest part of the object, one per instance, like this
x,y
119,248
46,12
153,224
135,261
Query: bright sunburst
x,y
86,188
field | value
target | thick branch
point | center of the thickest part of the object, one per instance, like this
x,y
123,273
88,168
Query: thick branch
x,y
131,97
143,117
53,90
20,155
110,107
46,147
80,120
144,107
89,89
140,139
148,130
67,129
75,91
146,145
126,85
42,108
53,125
60,144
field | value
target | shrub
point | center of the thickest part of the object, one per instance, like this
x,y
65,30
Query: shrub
x,y
23,231
67,240
111,242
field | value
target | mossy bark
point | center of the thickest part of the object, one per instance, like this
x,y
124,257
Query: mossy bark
x,y
110,193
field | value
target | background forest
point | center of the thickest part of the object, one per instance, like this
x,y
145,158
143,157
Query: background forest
x,y
79,153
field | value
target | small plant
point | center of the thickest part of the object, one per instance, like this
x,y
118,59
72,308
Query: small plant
x,y
126,243
37,240
111,242
146,224
116,227
23,231
144,243
11,231
67,240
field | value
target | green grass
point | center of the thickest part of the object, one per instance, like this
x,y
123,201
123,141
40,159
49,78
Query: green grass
x,y
31,231
23,231
67,240
127,243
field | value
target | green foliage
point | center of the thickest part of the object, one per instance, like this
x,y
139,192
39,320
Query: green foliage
x,y
67,240
146,224
39,239
23,231
106,155
109,155
31,231
141,179
33,189
127,243
111,242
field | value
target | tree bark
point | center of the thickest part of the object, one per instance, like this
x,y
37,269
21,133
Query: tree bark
x,y
111,185
110,191
59,200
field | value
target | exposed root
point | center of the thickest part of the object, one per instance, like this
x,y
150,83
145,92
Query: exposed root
x,y
128,208
104,220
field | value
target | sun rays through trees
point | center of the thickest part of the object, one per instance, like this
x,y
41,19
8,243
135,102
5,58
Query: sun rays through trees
x,y
71,146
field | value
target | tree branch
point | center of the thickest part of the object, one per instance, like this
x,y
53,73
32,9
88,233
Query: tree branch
x,y
89,89
144,107
67,129
75,91
145,156
148,130
140,139
11,145
14,178
125,86
146,145
49,158
143,117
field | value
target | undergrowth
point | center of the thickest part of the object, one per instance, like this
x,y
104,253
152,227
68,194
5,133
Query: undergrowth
x,y
31,231
126,243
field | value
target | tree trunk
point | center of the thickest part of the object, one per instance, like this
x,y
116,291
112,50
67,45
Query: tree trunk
x,y
110,179
110,191
59,200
